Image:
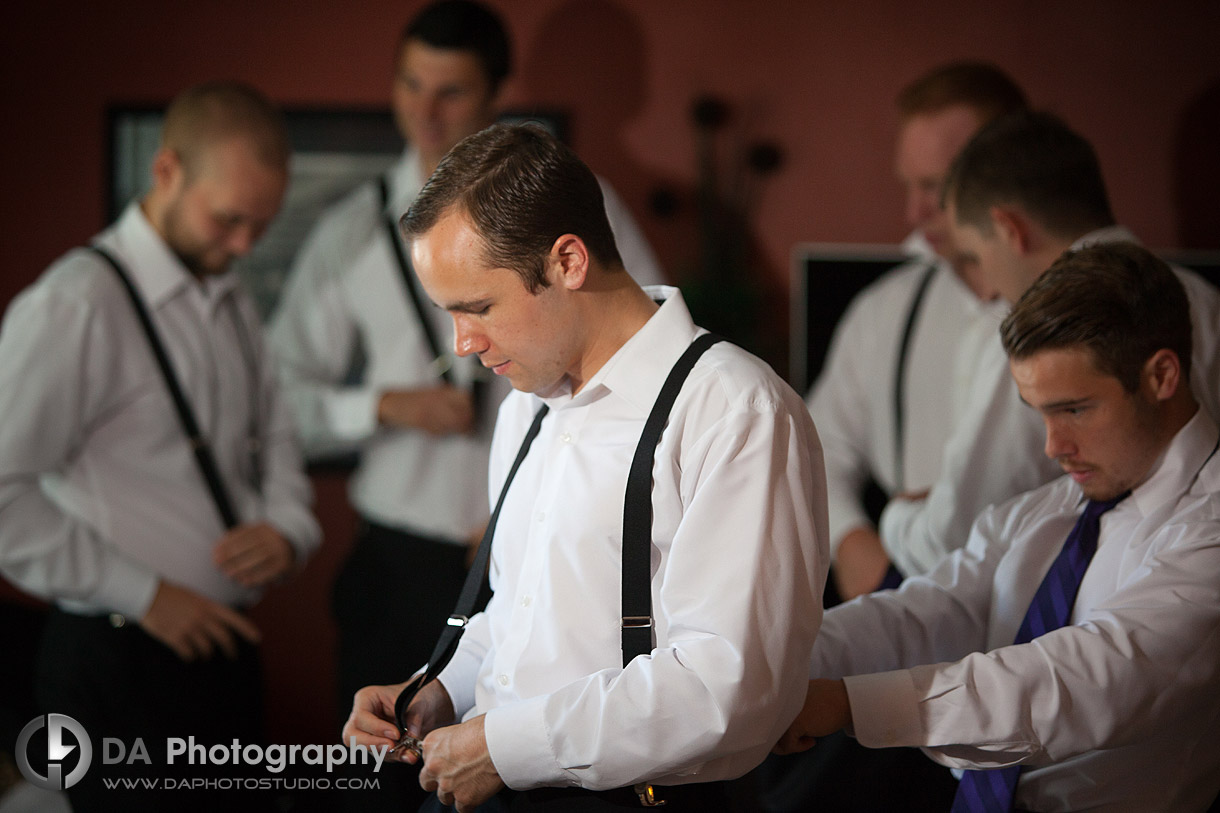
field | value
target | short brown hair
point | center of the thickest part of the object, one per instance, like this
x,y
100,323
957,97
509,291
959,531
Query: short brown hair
x,y
463,25
1033,160
981,86
522,190
1118,300
207,113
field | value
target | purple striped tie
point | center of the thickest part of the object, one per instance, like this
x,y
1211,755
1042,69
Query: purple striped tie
x,y
992,791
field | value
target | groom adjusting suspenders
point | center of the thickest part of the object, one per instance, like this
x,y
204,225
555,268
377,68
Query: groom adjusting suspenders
x,y
636,609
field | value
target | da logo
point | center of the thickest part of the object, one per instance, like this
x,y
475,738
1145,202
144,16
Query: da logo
x,y
58,726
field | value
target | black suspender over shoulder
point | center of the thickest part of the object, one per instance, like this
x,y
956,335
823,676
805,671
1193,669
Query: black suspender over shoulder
x,y
637,537
186,416
900,375
637,509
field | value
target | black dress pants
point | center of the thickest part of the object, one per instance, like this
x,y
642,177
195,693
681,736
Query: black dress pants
x,y
120,683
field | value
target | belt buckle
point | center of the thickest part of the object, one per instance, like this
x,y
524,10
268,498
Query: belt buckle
x,y
647,795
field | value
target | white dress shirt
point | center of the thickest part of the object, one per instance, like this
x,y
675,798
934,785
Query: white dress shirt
x,y
739,561
1119,711
100,494
995,450
852,402
344,306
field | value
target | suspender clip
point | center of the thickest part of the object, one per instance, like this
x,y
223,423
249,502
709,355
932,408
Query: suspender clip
x,y
648,795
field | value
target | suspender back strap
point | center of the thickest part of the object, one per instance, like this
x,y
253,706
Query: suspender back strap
x,y
637,510
404,269
452,634
900,376
186,416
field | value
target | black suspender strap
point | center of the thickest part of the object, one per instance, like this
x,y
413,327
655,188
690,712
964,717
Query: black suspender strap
x,y
637,510
900,376
404,269
478,386
452,634
186,416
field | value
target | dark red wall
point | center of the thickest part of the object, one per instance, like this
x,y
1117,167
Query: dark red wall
x,y
1140,79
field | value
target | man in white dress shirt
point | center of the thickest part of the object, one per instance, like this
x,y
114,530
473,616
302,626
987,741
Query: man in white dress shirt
x,y
1021,192
538,292
1116,710
914,318
422,436
103,509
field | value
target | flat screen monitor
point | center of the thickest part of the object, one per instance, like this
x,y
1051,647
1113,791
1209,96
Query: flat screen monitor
x,y
825,278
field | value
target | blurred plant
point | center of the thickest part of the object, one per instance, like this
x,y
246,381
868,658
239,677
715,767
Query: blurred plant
x,y
720,290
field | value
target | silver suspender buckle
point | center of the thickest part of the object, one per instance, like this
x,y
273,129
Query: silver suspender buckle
x,y
458,621
633,622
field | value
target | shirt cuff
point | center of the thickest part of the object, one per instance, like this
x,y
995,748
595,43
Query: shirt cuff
x,y
297,525
460,690
126,587
520,746
885,709
352,413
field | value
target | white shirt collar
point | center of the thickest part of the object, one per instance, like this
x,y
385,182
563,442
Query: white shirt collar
x,y
637,370
154,269
406,179
1108,234
917,246
1179,464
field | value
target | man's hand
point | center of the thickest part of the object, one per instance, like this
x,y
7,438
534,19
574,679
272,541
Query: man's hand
x,y
826,711
860,563
441,410
194,626
458,766
372,720
253,555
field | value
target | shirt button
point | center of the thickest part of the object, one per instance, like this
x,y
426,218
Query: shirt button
x,y
566,437
503,680
525,601
542,516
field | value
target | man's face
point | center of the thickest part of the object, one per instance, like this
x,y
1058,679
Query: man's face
x,y
927,145
1106,438
528,338
216,212
998,262
440,96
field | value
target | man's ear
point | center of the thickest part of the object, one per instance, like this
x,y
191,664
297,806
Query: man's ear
x,y
167,170
569,261
1162,375
1012,227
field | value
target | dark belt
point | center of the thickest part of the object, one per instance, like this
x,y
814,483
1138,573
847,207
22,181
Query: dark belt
x,y
676,797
